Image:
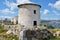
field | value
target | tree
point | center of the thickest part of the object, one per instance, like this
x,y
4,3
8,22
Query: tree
x,y
50,27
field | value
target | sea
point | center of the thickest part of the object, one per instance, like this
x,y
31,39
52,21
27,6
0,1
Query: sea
x,y
54,25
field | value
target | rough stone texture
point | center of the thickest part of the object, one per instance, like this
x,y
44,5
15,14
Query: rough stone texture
x,y
35,34
14,28
1,37
27,16
57,33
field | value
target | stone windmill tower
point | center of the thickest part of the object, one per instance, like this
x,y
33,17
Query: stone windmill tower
x,y
29,14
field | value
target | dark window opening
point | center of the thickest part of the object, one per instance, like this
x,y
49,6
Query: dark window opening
x,y
9,26
55,34
35,23
34,11
59,34
15,29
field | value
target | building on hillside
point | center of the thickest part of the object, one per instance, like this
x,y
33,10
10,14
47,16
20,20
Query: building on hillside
x,y
29,14
11,20
14,20
12,29
29,17
57,34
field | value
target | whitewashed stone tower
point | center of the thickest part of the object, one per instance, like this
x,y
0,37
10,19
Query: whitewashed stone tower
x,y
29,14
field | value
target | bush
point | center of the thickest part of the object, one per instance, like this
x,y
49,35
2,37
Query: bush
x,y
50,27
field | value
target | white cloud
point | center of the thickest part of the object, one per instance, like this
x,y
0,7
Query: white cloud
x,y
23,1
56,13
55,5
11,5
41,11
45,11
7,11
50,4
3,17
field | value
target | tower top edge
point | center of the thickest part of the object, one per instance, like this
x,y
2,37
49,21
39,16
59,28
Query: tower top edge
x,y
29,4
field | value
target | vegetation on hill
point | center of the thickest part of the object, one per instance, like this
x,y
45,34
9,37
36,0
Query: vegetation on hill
x,y
10,37
1,27
8,23
55,38
49,27
2,30
6,37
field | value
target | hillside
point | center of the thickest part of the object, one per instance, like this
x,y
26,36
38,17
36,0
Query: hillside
x,y
55,23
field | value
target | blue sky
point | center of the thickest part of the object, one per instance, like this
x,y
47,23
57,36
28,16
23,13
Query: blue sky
x,y
50,9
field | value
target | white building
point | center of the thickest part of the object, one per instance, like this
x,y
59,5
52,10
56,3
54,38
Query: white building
x,y
12,28
57,34
14,20
11,19
29,14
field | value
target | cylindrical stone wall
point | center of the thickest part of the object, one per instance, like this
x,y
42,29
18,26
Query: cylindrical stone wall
x,y
26,15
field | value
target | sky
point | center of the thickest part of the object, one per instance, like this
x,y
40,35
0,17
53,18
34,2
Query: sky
x,y
50,9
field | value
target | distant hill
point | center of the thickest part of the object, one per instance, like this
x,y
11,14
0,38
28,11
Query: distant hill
x,y
55,23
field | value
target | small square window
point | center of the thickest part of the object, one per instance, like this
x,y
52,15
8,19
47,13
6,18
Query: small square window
x,y
34,11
